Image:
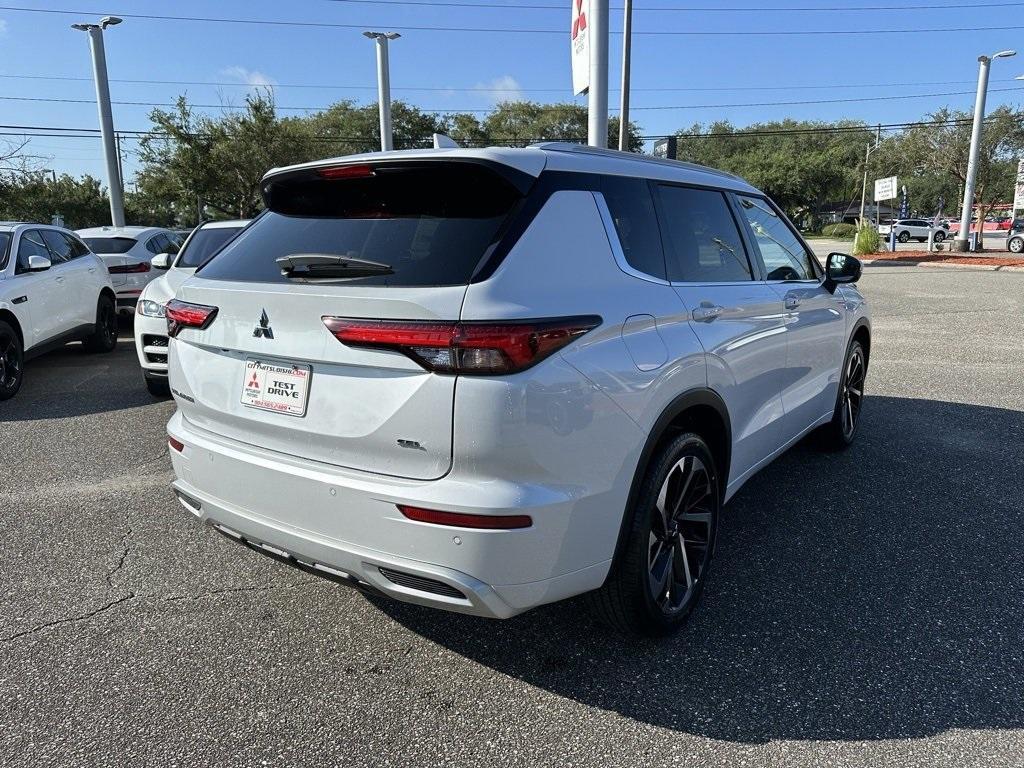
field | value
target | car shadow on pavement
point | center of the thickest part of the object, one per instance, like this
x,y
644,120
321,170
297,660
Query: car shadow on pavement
x,y
871,594
71,382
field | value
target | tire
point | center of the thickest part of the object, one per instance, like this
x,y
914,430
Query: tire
x,y
104,338
938,237
903,237
839,433
1016,245
159,388
12,361
675,555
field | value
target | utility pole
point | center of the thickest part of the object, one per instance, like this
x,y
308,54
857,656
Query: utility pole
x,y
383,85
597,96
864,186
627,44
99,71
961,243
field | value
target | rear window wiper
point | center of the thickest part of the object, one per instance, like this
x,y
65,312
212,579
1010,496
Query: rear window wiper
x,y
329,266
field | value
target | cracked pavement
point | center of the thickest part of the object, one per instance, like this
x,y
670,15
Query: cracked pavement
x,y
865,608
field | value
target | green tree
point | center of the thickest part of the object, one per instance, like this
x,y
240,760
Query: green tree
x,y
217,160
801,165
518,123
932,158
36,197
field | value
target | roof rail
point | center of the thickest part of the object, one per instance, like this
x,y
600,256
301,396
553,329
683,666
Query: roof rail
x,y
566,146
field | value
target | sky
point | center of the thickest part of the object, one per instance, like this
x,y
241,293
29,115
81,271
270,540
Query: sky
x,y
737,59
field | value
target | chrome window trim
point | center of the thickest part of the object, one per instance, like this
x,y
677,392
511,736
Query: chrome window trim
x,y
616,245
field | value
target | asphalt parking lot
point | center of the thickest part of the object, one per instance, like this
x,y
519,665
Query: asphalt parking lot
x,y
865,608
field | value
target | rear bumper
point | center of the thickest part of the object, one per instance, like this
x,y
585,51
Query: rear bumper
x,y
346,525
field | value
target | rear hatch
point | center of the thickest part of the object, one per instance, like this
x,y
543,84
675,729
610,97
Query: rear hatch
x,y
113,251
267,371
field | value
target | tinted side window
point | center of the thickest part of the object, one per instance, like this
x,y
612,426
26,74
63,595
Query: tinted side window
x,y
702,241
783,256
31,244
632,209
60,248
77,246
156,244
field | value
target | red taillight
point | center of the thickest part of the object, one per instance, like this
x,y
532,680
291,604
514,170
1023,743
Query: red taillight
x,y
462,520
346,172
464,348
176,444
130,269
182,314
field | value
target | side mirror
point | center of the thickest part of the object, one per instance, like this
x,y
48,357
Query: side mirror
x,y
162,261
38,263
841,268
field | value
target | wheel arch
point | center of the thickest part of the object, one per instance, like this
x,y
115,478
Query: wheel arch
x,y
107,291
12,320
862,333
702,411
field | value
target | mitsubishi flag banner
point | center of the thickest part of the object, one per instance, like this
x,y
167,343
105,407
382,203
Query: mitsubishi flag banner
x,y
580,46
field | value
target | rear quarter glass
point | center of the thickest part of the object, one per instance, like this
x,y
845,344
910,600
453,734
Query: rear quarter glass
x,y
432,224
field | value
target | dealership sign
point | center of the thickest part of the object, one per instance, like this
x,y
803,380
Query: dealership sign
x,y
579,42
885,189
1018,195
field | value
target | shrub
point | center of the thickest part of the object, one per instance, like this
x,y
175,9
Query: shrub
x,y
839,230
867,240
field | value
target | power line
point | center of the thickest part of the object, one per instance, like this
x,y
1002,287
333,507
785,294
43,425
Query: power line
x,y
322,108
519,30
32,131
485,89
691,9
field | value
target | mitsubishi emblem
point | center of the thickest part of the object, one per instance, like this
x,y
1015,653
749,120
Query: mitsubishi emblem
x,y
263,330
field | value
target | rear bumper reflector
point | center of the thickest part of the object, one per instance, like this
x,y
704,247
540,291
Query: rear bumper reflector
x,y
462,520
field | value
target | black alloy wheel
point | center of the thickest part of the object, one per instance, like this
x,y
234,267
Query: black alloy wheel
x,y
852,393
662,566
679,543
12,359
104,336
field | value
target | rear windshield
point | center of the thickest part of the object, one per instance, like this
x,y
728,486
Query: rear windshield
x,y
430,225
203,244
109,244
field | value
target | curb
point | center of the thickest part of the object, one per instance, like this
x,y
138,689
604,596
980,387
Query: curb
x,y
941,265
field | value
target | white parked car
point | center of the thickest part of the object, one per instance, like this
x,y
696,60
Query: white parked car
x,y
484,380
150,325
914,229
128,253
53,290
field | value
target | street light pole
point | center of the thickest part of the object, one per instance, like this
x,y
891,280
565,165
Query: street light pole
x,y
383,85
627,43
99,71
961,241
597,97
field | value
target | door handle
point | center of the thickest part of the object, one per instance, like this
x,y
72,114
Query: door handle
x,y
792,302
92,270
60,278
707,312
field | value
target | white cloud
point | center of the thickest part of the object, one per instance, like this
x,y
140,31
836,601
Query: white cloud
x,y
504,88
251,77
3,27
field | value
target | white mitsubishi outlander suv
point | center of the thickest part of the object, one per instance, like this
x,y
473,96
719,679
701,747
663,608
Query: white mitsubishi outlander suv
x,y
485,380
